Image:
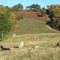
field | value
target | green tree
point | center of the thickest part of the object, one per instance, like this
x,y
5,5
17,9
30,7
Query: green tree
x,y
17,7
3,10
34,7
4,25
54,14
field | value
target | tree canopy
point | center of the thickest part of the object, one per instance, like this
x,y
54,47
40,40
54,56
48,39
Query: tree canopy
x,y
54,14
33,7
17,7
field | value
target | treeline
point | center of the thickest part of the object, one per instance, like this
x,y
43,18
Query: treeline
x,y
33,7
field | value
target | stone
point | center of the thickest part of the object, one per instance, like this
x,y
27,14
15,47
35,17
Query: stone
x,y
37,46
14,35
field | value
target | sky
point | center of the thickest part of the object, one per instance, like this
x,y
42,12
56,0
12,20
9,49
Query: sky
x,y
42,3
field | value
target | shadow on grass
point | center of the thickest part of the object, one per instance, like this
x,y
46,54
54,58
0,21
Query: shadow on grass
x,y
0,40
16,47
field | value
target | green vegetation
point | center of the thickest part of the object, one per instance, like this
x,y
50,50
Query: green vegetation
x,y
4,25
33,7
17,7
7,18
54,14
31,26
43,12
13,17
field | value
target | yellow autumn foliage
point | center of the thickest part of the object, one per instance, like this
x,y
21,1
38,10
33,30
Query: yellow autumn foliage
x,y
13,17
3,10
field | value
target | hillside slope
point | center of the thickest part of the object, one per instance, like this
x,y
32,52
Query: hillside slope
x,y
32,14
31,26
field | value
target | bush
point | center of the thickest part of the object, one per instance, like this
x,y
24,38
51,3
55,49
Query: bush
x,y
19,17
43,12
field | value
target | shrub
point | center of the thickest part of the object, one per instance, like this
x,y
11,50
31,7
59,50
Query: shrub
x,y
43,12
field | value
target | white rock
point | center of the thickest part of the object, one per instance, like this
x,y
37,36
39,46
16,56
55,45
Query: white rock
x,y
36,46
21,44
14,35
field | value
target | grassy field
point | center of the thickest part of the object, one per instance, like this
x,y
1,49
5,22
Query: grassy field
x,y
46,50
31,32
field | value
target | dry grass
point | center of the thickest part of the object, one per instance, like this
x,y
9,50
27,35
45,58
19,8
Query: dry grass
x,y
46,50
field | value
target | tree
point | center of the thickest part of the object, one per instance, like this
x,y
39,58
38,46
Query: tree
x,y
54,14
1,6
4,25
3,10
34,7
37,7
17,7
48,6
13,17
28,7
8,8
